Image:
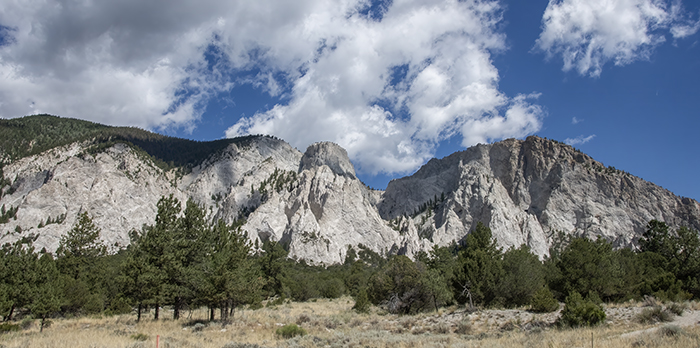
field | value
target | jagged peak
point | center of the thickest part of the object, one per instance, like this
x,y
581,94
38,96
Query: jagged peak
x,y
328,154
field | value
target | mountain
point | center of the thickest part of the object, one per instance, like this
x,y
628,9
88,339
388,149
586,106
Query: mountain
x,y
527,191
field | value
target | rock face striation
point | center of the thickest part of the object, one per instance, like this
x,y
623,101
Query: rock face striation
x,y
526,191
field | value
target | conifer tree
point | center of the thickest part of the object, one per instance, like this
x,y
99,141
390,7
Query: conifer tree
x,y
80,257
479,268
20,275
46,296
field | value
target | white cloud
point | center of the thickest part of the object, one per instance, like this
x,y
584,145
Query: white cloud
x,y
589,33
121,62
579,140
575,120
387,87
447,84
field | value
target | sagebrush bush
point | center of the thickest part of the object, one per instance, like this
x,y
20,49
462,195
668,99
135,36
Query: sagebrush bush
x,y
677,308
290,330
463,328
655,314
670,331
579,312
543,301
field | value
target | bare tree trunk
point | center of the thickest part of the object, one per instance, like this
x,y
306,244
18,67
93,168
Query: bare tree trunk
x,y
12,310
155,316
176,309
211,313
138,313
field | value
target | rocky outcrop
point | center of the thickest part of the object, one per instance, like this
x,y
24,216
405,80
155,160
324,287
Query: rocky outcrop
x,y
327,211
524,190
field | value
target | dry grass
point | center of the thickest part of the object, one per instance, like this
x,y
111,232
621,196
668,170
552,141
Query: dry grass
x,y
334,324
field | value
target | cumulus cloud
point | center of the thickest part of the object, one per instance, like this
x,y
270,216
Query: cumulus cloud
x,y
575,120
579,140
387,80
389,90
589,33
120,62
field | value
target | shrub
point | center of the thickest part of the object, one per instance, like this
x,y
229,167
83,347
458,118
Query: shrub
x,y
463,328
8,327
579,312
655,314
240,345
361,302
26,323
119,306
333,288
543,301
677,308
139,336
670,331
290,330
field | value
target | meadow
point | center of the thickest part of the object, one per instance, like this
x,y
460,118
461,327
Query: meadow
x,y
333,323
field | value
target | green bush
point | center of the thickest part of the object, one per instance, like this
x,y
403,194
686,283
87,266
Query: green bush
x,y
26,323
579,312
119,306
139,336
290,330
8,327
543,301
361,301
93,304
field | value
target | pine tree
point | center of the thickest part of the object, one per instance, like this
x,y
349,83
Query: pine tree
x,y
46,297
233,278
479,268
80,257
20,275
80,248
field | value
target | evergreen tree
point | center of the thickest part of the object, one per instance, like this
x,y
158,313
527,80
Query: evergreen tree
x,y
138,277
523,275
187,254
80,257
590,266
46,297
478,268
232,275
155,250
271,262
20,275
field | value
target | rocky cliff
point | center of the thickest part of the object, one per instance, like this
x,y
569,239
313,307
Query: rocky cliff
x,y
525,190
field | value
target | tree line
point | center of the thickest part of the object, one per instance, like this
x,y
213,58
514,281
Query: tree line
x,y
30,135
184,261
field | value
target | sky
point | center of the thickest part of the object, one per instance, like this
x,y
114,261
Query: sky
x,y
395,83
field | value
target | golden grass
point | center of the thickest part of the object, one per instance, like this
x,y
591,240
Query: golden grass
x,y
332,323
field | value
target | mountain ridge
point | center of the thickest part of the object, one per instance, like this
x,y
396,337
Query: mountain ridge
x,y
525,190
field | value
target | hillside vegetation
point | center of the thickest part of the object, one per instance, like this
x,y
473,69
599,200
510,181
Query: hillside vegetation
x,y
30,135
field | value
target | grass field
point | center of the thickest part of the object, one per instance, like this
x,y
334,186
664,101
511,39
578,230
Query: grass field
x,y
332,323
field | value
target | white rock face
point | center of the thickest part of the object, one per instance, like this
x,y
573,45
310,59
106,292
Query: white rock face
x,y
118,189
328,211
527,190
314,203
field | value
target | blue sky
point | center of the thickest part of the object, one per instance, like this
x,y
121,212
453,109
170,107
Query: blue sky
x,y
394,82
